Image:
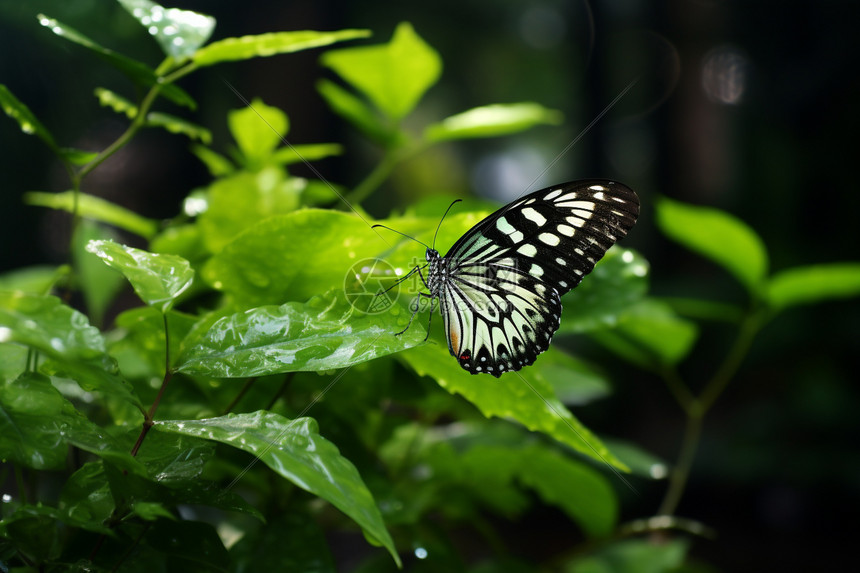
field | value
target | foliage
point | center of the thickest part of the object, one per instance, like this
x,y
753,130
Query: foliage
x,y
258,340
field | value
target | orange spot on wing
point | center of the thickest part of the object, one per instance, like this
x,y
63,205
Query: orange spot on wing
x,y
455,341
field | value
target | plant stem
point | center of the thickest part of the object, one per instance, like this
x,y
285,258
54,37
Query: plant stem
x,y
681,471
695,407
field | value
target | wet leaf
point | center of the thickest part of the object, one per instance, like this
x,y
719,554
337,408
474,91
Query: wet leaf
x,y
96,209
325,333
179,32
158,279
492,121
295,450
17,110
264,45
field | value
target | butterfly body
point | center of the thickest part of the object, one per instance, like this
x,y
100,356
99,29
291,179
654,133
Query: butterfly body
x,y
499,287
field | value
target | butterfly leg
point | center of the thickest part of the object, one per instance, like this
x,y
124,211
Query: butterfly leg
x,y
415,310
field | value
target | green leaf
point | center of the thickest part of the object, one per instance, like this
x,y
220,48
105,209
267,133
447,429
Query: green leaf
x,y
179,32
76,348
574,381
116,102
35,279
393,76
290,542
812,284
17,110
86,497
633,556
325,333
157,279
641,462
217,164
242,200
718,236
492,121
649,334
95,208
525,396
295,450
356,112
178,126
143,329
582,492
268,264
37,424
264,45
305,153
99,284
618,280
136,71
258,129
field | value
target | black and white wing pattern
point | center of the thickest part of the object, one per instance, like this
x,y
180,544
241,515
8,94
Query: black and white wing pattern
x,y
500,285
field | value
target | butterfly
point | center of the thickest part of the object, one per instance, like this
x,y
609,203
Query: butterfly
x,y
499,287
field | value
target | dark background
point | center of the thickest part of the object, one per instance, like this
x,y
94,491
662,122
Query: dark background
x,y
751,107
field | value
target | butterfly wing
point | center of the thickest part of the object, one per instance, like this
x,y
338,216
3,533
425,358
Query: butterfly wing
x,y
502,301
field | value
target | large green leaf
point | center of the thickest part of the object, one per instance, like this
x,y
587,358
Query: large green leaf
x,y
95,208
295,450
158,279
815,283
136,71
717,235
618,280
239,201
98,283
354,110
393,76
525,396
64,335
323,334
29,123
492,121
178,32
649,334
230,49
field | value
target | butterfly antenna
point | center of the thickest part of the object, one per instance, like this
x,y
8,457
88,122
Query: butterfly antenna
x,y
399,233
442,219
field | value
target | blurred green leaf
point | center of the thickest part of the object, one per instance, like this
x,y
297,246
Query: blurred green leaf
x,y
573,381
35,279
77,156
304,153
582,492
98,283
290,542
217,164
178,126
239,201
323,334
356,112
633,556
641,462
814,283
393,76
649,334
143,335
258,129
718,236
17,110
179,32
525,396
619,280
95,208
134,70
264,45
76,348
295,450
157,279
492,121
116,102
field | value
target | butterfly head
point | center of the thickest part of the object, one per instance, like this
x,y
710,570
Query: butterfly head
x,y
431,255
